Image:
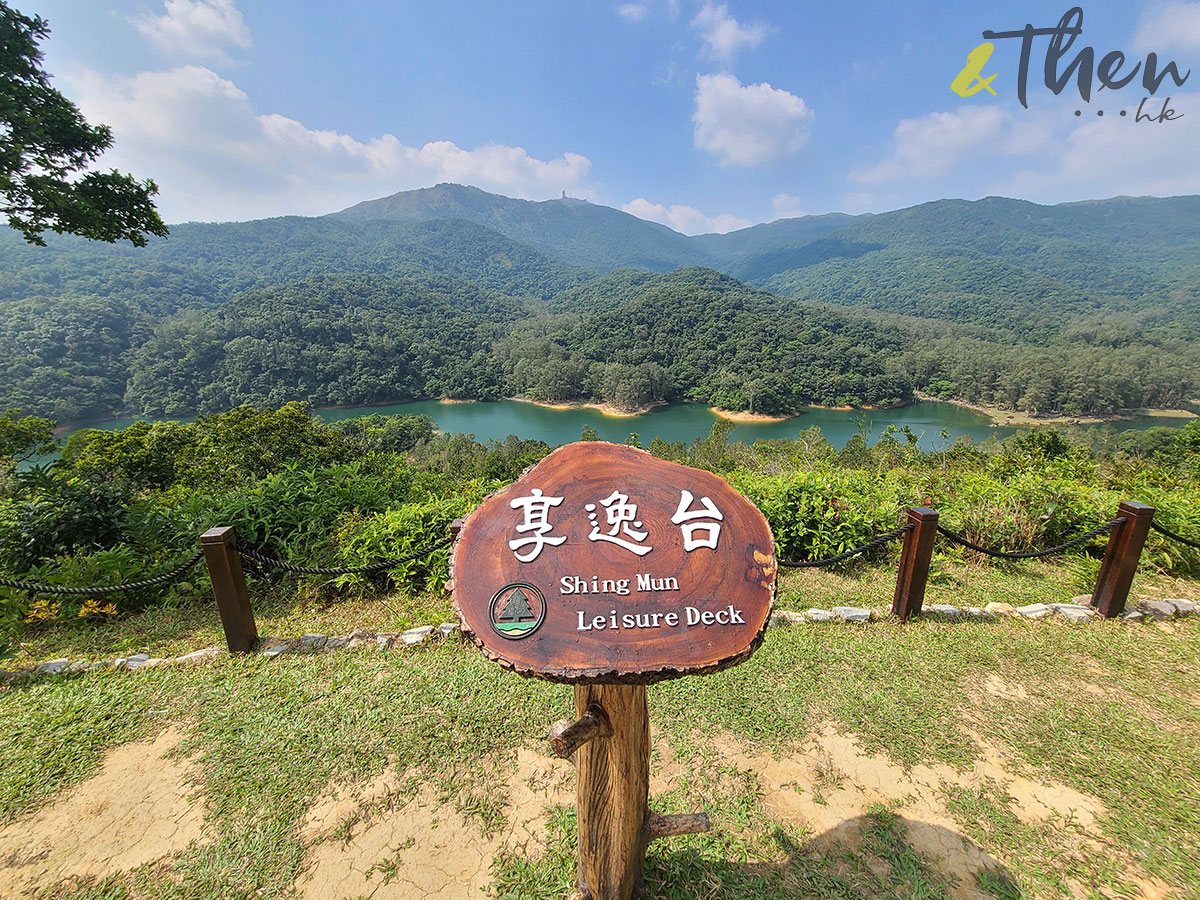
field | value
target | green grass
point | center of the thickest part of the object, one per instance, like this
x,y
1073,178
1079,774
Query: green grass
x,y
269,736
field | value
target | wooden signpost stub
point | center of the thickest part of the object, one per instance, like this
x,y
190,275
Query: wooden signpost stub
x,y
914,562
609,569
1121,557
229,589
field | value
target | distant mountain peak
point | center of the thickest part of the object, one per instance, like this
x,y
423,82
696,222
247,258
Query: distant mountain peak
x,y
569,228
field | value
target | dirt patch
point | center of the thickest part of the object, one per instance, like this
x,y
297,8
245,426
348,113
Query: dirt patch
x,y
389,838
998,687
379,841
138,807
831,783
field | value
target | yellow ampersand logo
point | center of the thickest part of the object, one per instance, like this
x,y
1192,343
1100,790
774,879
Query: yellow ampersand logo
x,y
968,83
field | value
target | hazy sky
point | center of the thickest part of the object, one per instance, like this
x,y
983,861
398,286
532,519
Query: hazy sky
x,y
704,116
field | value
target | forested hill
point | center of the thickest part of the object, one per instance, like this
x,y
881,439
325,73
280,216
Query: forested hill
x,y
1127,266
1079,308
354,339
571,230
206,264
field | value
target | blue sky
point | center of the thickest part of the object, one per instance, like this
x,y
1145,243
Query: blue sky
x,y
704,116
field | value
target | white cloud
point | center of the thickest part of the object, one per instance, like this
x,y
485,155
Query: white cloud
x,y
632,12
1114,155
723,35
1173,24
684,219
748,125
215,158
933,144
1042,154
787,206
197,28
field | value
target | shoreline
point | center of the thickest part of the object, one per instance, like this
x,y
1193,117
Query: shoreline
x,y
1017,419
995,415
605,409
747,418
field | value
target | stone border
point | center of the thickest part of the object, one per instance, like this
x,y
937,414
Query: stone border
x,y
1077,610
268,647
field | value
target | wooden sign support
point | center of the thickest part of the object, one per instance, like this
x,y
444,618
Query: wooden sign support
x,y
229,588
608,569
611,744
1121,557
914,563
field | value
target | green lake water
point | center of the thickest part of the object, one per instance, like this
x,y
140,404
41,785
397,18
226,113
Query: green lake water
x,y
686,421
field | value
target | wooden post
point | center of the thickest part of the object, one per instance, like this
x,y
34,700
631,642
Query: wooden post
x,y
229,588
611,743
914,562
1121,557
613,792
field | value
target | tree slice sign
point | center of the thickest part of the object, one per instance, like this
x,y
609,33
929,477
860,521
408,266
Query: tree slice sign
x,y
603,563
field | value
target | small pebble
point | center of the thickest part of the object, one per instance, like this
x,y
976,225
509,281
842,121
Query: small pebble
x,y
1160,609
786,617
198,655
417,635
852,614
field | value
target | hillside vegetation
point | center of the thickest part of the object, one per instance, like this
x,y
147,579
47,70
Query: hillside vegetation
x,y
1075,309
124,505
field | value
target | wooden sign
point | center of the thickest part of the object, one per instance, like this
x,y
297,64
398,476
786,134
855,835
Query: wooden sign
x,y
604,564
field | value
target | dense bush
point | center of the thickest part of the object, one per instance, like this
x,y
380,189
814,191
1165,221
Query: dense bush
x,y
223,449
129,504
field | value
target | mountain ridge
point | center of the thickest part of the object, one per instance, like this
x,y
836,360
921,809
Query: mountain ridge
x,y
1079,308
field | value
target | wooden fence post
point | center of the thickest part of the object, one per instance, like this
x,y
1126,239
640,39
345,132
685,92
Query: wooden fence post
x,y
914,562
229,588
1121,557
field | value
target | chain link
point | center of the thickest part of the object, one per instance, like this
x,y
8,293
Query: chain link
x,y
173,575
841,557
1032,554
382,566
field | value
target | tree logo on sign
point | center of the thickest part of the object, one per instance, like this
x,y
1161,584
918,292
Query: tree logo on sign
x,y
517,610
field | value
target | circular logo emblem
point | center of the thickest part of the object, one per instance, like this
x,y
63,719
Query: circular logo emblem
x,y
517,610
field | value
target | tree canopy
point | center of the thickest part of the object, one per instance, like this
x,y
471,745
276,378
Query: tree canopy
x,y
45,141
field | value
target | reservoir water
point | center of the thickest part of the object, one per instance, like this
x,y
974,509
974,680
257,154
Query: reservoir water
x,y
687,421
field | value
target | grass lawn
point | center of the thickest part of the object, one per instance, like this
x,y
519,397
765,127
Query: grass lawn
x,y
938,759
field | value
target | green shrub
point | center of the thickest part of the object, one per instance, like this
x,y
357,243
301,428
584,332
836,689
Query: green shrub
x,y
295,512
397,532
820,513
220,450
389,434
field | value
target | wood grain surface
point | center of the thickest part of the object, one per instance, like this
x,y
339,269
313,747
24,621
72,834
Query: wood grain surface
x,y
612,794
700,611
